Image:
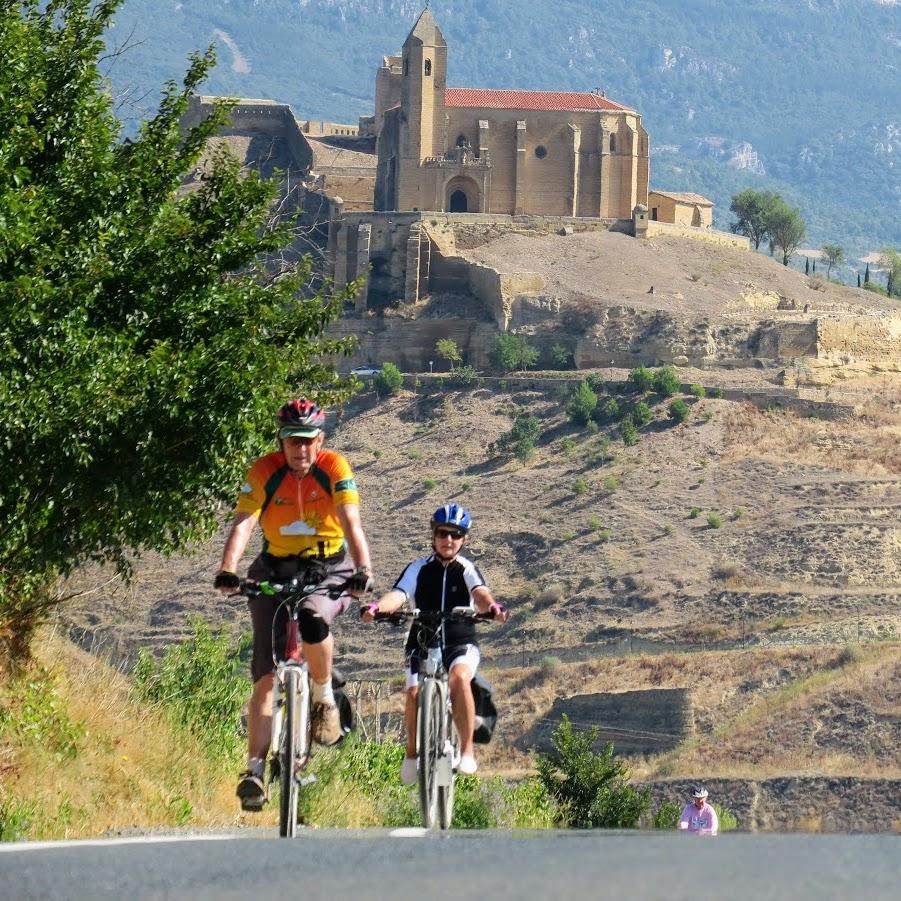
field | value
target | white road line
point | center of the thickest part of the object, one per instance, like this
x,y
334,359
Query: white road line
x,y
409,832
101,842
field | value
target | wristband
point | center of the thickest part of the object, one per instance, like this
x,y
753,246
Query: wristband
x,y
372,607
496,610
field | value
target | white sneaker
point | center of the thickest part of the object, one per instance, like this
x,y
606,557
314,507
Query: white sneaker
x,y
409,770
468,765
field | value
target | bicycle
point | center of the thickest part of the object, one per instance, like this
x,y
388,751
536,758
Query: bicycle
x,y
291,743
437,740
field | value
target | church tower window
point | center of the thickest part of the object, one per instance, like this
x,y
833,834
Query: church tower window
x,y
406,67
541,151
613,143
428,67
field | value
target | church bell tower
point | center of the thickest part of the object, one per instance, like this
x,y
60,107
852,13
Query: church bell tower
x,y
424,60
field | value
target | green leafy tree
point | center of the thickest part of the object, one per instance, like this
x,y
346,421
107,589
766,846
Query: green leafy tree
x,y
666,381
389,380
642,414
679,410
582,404
146,334
786,227
752,209
641,379
447,349
890,260
835,254
591,789
561,355
512,352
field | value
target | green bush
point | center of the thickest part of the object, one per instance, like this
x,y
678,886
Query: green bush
x,y
694,513
582,404
697,391
628,431
429,484
463,377
389,380
611,483
641,380
667,816
714,520
512,352
595,523
592,428
611,410
40,718
596,383
737,514
525,450
642,414
666,382
473,807
569,447
527,806
727,820
591,789
580,486
679,410
201,685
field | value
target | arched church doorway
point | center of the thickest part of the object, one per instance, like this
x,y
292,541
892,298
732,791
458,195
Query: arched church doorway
x,y
458,202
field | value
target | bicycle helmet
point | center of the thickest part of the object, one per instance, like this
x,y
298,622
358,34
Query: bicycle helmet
x,y
700,792
300,418
452,515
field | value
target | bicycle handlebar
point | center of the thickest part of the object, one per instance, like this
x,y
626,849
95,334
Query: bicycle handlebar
x,y
434,616
295,588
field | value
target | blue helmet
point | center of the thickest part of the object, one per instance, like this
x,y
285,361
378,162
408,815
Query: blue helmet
x,y
452,515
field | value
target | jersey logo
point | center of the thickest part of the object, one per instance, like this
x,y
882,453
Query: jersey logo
x,y
346,485
281,502
298,527
246,488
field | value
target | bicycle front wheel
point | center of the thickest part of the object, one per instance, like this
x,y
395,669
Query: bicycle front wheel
x,y
289,752
446,792
428,724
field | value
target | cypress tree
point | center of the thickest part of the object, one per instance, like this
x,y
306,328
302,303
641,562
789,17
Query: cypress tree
x,y
866,275
807,265
858,279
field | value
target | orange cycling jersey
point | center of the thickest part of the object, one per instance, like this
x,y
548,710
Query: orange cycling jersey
x,y
301,516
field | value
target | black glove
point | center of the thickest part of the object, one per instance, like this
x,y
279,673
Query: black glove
x,y
225,579
360,580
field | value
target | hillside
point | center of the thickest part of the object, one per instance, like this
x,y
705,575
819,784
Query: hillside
x,y
682,63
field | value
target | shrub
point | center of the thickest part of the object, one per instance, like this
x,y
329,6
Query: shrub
x,y
377,453
582,404
569,447
525,450
666,382
414,454
595,523
714,520
553,594
591,789
429,484
628,431
389,380
727,820
715,392
463,376
694,513
512,352
561,355
611,409
611,483
641,379
667,816
642,414
697,391
466,486
592,428
549,663
596,383
737,514
528,806
679,410
580,486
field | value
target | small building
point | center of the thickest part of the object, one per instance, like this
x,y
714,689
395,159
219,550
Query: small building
x,y
680,209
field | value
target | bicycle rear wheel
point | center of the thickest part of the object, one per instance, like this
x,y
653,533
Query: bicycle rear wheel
x,y
429,717
291,749
446,792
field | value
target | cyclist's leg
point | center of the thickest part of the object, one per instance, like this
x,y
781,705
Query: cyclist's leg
x,y
411,701
462,665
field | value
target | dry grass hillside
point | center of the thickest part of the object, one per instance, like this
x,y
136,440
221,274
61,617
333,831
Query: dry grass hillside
x,y
751,558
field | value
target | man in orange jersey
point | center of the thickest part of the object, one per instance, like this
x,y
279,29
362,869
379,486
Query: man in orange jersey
x,y
305,500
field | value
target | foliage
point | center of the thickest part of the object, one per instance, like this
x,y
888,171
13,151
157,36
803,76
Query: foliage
x,y
667,816
835,254
580,486
611,410
698,391
890,260
512,352
642,414
666,381
561,355
628,431
147,334
429,484
524,450
694,513
389,380
725,817
641,379
752,209
464,377
521,439
785,227
447,349
473,808
611,483
582,403
591,789
714,520
202,686
678,410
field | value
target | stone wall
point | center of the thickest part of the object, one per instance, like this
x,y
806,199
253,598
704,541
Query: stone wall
x,y
874,339
711,236
498,291
637,722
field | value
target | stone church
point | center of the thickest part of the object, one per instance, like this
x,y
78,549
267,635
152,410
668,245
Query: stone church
x,y
475,150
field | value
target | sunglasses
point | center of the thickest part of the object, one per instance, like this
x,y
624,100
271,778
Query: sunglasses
x,y
449,533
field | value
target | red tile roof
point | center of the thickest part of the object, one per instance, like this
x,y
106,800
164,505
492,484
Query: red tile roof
x,y
487,98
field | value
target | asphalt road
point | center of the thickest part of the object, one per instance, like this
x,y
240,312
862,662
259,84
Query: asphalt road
x,y
461,866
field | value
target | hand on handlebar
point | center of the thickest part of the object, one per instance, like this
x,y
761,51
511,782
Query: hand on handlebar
x,y
360,582
227,582
499,612
369,611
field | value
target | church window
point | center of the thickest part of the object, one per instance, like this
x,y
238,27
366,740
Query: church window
x,y
428,67
406,67
461,140
541,151
613,143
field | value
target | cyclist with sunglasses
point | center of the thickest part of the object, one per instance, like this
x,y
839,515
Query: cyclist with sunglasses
x,y
305,500
438,583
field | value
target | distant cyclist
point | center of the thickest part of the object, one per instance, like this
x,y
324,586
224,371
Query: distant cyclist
x,y
305,499
440,582
699,817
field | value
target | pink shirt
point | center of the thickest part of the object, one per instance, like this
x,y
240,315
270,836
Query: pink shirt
x,y
702,820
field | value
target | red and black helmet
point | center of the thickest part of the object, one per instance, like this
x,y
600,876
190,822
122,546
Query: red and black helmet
x,y
300,418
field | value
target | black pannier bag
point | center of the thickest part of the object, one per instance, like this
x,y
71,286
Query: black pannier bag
x,y
345,708
486,712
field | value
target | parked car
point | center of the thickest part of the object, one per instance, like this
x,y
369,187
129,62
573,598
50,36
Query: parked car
x,y
366,370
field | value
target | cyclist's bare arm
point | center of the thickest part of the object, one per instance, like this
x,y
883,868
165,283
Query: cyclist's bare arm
x,y
389,602
352,526
236,544
485,603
